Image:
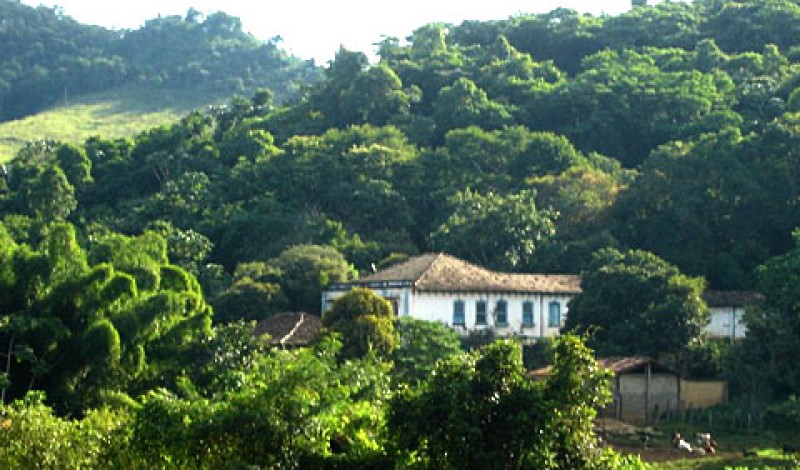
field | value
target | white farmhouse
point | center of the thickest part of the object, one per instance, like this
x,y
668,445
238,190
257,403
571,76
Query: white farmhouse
x,y
468,298
439,287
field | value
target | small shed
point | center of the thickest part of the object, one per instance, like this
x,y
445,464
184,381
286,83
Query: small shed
x,y
642,388
290,330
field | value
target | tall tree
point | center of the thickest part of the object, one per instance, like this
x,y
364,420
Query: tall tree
x,y
306,270
766,366
289,409
503,233
83,325
365,321
636,303
422,344
479,410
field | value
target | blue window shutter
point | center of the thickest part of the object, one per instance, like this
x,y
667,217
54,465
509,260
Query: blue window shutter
x,y
527,313
458,313
555,315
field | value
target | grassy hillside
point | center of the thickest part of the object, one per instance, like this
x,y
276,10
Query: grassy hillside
x,y
122,112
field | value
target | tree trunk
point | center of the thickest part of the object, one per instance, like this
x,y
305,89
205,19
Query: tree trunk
x,y
8,369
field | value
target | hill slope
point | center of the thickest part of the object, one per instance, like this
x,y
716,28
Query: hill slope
x,y
46,55
122,112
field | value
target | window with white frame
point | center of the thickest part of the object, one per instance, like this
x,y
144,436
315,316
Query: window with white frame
x,y
501,313
459,318
554,318
527,313
480,312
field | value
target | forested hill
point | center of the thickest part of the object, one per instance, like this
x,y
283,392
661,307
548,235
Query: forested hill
x,y
522,145
47,56
645,150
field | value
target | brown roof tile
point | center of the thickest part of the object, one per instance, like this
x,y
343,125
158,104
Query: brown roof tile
x,y
618,365
441,272
631,363
290,329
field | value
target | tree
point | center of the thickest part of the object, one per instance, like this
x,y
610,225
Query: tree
x,y
627,103
563,35
715,206
503,233
636,303
739,26
76,165
81,325
364,320
359,165
288,409
307,269
576,389
50,196
766,366
34,436
376,97
422,344
583,197
463,104
342,72
479,410
254,295
664,25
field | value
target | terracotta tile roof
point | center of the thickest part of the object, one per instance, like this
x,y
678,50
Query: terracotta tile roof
x,y
409,270
441,272
632,364
732,298
618,365
290,329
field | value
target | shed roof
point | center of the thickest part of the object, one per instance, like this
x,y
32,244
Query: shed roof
x,y
439,272
633,364
619,365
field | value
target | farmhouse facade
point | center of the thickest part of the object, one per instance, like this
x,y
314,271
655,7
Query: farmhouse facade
x,y
468,298
465,297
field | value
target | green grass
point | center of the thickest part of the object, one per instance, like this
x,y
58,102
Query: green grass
x,y
766,459
122,112
730,452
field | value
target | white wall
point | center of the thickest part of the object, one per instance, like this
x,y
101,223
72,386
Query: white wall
x,y
726,322
440,307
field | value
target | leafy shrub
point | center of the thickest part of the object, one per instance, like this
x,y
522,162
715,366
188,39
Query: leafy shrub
x,y
784,417
31,436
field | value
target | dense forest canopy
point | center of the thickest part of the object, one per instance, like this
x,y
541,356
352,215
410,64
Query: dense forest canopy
x,y
664,137
523,144
564,132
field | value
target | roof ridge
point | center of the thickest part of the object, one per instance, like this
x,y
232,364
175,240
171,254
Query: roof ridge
x,y
294,329
427,270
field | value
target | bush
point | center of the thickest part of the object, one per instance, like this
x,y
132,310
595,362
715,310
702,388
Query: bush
x,y
784,417
32,437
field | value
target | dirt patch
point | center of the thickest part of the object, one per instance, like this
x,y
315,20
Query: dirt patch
x,y
648,443
667,454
